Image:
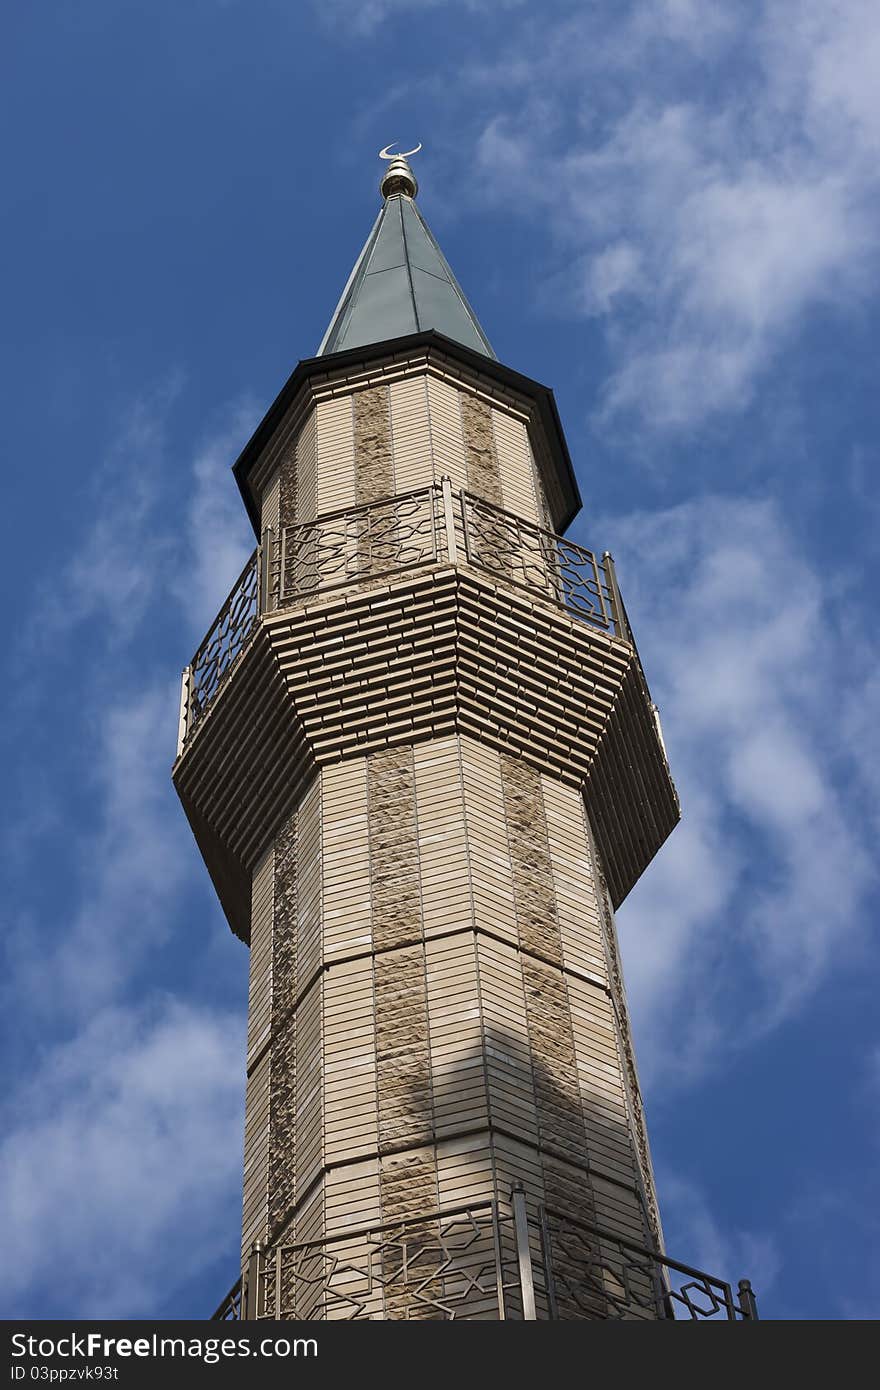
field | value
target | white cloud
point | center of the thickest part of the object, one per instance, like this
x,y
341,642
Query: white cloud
x,y
749,904
358,18
133,847
135,862
218,536
113,572
719,165
119,1153
124,1142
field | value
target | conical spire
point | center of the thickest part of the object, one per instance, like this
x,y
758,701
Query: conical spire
x,y
401,282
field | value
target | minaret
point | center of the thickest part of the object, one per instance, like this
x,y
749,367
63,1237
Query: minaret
x,y
421,762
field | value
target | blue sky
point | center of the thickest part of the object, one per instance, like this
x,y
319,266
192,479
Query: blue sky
x,y
668,211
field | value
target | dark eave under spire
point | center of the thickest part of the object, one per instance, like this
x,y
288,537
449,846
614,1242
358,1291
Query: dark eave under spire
x,y
401,282
564,497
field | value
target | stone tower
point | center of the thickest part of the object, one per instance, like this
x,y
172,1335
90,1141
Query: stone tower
x,y
421,762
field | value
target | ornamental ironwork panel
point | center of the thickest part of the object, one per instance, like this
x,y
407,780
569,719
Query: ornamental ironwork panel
x,y
359,543
226,640
523,554
486,1261
592,1273
452,1266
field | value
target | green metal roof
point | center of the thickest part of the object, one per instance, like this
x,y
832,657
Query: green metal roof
x,y
401,284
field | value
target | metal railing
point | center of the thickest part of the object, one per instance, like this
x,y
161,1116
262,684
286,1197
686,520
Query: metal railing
x,y
227,638
486,1260
360,545
347,547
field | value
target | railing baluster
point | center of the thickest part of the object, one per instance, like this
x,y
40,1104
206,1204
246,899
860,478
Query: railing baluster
x,y
265,571
747,1302
523,1253
251,1292
185,682
499,1262
621,627
449,519
547,1254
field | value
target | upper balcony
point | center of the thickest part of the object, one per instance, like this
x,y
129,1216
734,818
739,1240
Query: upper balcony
x,y
357,547
420,615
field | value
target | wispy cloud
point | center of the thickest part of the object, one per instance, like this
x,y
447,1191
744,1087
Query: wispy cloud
x,y
217,537
115,567
361,18
709,176
133,859
120,1151
137,1093
749,903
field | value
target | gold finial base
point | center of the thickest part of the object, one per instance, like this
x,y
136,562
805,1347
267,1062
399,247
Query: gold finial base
x,y
398,177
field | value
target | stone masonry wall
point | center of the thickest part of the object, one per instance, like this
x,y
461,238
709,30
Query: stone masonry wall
x,y
458,1028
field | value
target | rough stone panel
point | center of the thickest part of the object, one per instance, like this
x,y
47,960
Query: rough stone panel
x,y
409,1185
307,470
534,894
394,854
483,471
409,1191
287,486
285,908
282,1110
568,1190
374,470
569,1193
403,1058
554,1063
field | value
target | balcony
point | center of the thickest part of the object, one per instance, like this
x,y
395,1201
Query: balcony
x,y
489,1260
413,617
363,545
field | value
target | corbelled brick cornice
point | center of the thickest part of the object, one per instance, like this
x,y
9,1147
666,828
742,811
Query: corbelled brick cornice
x,y
398,662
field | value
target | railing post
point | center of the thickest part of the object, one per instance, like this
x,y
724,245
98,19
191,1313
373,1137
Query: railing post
x,y
265,571
183,719
523,1252
251,1291
621,626
468,551
547,1252
747,1303
499,1262
449,519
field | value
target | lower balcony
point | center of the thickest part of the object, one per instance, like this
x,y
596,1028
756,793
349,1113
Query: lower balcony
x,y
487,1261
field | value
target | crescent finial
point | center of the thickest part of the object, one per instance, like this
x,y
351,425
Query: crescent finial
x,y
401,154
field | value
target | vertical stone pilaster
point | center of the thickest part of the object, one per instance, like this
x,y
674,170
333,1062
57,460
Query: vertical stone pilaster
x,y
403,1055
282,1114
408,1181
483,471
533,890
374,470
554,1064
287,486
393,841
